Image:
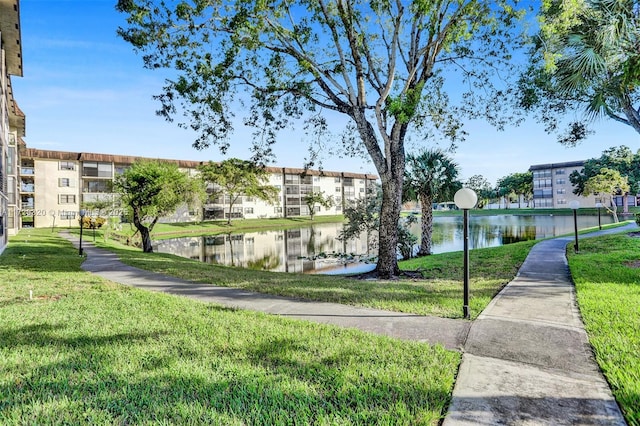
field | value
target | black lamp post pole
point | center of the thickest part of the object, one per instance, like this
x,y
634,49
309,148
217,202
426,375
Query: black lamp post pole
x,y
599,223
465,225
81,226
575,227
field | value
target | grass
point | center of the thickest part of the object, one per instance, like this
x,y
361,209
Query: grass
x,y
84,350
606,273
440,293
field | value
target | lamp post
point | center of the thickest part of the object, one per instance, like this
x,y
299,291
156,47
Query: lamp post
x,y
82,213
465,199
575,205
599,206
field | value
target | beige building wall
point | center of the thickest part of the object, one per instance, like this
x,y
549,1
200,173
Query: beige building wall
x,y
12,120
57,193
552,187
58,189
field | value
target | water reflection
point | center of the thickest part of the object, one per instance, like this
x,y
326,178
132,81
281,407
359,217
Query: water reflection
x,y
315,248
310,249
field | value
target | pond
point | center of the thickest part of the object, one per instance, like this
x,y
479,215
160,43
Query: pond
x,y
317,249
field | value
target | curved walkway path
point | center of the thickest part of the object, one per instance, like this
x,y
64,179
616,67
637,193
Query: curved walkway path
x,y
526,359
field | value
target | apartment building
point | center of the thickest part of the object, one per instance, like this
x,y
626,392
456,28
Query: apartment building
x,y
552,187
12,120
55,185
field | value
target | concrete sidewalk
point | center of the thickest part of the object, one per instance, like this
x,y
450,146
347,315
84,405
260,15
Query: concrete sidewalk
x,y
450,333
526,361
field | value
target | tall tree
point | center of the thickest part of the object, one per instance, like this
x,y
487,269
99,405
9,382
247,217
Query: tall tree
x,y
619,158
153,189
237,178
382,64
606,184
430,176
482,187
516,185
586,57
314,198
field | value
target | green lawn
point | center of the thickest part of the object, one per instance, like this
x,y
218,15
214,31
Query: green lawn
x,y
607,277
439,294
84,350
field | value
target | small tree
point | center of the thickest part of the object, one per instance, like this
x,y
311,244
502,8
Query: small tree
x,y
363,215
482,188
152,189
313,198
237,178
606,184
430,176
516,185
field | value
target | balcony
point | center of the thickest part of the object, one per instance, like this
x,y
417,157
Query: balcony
x,y
27,171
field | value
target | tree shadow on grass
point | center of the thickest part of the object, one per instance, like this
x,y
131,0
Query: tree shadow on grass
x,y
270,387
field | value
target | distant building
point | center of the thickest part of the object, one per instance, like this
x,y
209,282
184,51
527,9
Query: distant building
x,y
55,185
553,189
12,120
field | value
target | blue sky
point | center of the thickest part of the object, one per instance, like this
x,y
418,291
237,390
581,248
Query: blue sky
x,y
84,90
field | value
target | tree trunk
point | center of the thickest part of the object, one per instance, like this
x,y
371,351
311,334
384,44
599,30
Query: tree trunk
x,y
388,231
426,226
389,163
144,232
614,210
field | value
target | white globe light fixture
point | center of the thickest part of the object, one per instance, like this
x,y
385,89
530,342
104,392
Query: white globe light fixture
x,y
466,199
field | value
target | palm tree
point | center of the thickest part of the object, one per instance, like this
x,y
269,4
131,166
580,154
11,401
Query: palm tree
x,y
430,176
590,56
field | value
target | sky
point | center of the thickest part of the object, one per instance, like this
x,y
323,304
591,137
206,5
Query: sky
x,y
84,90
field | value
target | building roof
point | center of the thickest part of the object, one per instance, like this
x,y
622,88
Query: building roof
x,y
556,165
125,160
11,37
17,119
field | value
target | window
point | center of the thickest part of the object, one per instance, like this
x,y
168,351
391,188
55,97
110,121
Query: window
x,y
561,191
560,172
562,201
561,181
67,199
65,182
337,189
67,165
337,180
248,210
291,179
539,174
97,186
277,209
361,189
95,169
